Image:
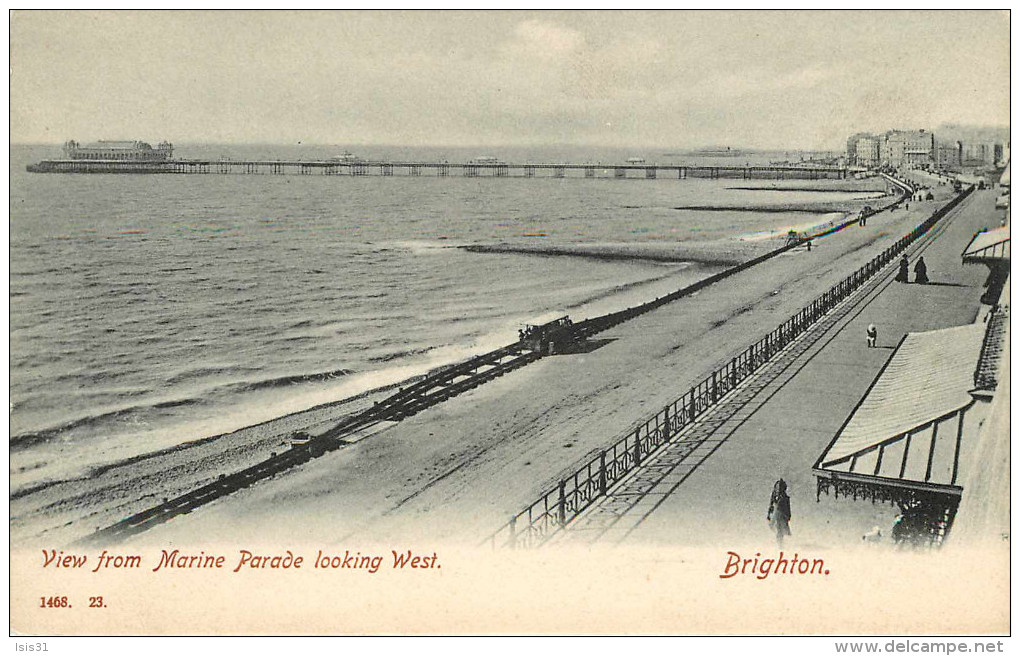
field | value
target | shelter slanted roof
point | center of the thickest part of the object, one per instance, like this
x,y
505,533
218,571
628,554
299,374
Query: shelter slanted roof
x,y
988,245
896,424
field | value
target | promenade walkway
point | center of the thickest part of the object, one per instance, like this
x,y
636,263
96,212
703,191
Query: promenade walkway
x,y
713,489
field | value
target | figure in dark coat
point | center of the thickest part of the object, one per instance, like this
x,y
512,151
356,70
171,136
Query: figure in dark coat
x,y
779,511
921,272
904,273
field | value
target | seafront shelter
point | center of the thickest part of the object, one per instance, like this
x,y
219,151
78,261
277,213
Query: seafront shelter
x,y
920,429
902,442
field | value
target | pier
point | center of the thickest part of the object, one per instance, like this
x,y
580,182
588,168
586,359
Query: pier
x,y
438,169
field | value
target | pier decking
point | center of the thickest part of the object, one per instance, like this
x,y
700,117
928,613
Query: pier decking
x,y
438,169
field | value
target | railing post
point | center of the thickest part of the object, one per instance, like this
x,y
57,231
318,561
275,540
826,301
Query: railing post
x,y
513,532
637,446
602,473
562,511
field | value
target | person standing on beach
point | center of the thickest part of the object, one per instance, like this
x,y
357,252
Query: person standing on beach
x,y
779,511
904,273
872,335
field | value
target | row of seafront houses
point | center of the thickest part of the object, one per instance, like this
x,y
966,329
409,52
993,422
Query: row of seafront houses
x,y
920,149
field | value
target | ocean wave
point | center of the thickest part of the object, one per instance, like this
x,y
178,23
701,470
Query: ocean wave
x,y
28,440
402,354
202,372
178,403
294,379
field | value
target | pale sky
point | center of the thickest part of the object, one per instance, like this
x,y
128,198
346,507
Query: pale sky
x,y
653,79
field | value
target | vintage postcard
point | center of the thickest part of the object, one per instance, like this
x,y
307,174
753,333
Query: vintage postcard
x,y
497,322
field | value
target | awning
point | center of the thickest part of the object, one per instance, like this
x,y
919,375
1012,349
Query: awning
x,y
988,246
906,430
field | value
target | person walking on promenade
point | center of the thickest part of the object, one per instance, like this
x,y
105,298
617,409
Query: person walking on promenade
x,y
904,273
779,511
872,335
921,272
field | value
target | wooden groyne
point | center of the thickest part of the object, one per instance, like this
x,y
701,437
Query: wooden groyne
x,y
437,169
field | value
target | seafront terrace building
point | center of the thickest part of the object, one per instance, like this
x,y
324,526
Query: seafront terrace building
x,y
948,156
907,148
134,151
985,154
895,148
862,150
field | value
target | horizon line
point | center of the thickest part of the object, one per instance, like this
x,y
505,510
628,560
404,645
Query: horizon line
x,y
489,146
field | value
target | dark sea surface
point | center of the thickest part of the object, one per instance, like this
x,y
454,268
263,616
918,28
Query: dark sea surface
x,y
147,311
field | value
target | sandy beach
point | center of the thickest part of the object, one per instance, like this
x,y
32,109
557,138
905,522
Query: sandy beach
x,y
457,471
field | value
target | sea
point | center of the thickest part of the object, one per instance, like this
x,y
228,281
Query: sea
x,y
147,311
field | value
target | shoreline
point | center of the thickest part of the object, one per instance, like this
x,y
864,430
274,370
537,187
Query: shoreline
x,y
152,475
492,451
807,208
337,409
728,254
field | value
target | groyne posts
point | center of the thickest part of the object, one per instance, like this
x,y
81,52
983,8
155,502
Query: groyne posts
x,y
597,476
